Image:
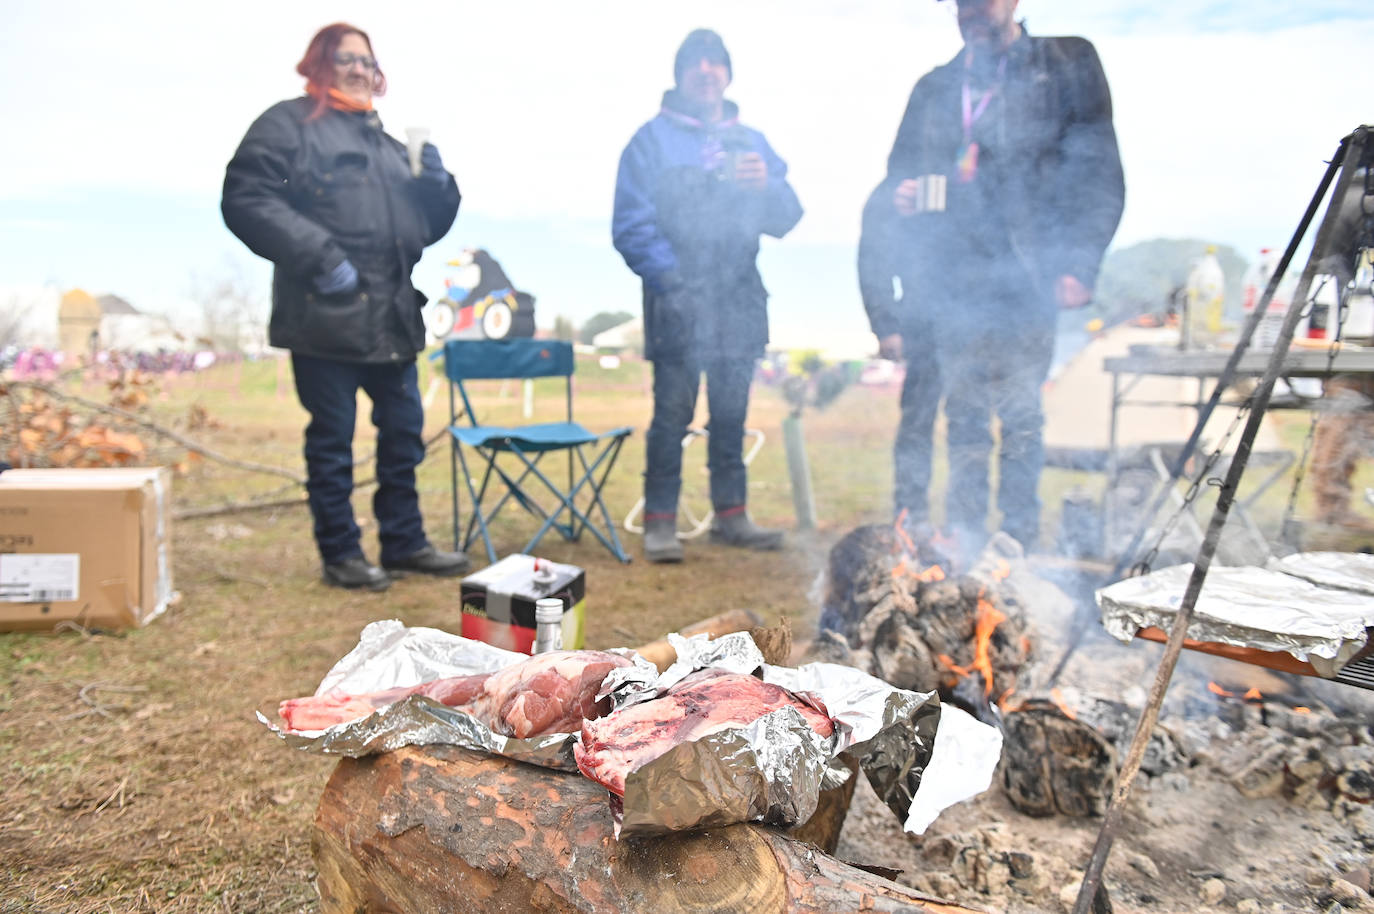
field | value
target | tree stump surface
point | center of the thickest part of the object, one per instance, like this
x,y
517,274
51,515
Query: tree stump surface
x,y
445,829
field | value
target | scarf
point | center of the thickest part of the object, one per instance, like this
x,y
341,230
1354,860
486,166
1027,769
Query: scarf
x,y
336,99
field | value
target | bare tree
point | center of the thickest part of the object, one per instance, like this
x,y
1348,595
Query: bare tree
x,y
13,321
233,312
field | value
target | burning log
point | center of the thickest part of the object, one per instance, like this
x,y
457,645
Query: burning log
x,y
1053,763
916,625
442,828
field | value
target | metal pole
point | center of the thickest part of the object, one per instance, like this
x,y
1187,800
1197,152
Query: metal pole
x,y
1224,381
1349,151
794,445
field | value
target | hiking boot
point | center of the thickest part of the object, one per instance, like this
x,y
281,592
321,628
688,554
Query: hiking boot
x,y
430,561
735,528
356,573
661,544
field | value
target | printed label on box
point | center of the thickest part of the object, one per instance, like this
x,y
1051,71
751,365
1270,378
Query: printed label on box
x,y
40,578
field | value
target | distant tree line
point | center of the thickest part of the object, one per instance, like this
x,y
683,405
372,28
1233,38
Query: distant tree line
x,y
1139,279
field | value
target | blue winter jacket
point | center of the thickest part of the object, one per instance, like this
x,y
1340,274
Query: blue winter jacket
x,y
692,234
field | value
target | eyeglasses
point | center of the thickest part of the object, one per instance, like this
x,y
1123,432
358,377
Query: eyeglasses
x,y
346,61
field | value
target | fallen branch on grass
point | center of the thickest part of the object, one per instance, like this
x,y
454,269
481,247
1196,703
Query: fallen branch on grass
x,y
157,428
270,501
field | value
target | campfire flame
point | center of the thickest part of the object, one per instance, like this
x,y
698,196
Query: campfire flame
x,y
1002,570
928,575
1057,697
904,538
1252,694
986,622
1302,710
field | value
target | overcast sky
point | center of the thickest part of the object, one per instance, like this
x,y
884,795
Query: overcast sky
x,y
121,117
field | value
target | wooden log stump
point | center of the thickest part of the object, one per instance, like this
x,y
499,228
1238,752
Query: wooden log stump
x,y
444,829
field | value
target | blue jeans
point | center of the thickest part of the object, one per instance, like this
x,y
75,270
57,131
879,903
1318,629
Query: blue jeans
x,y
675,401
329,390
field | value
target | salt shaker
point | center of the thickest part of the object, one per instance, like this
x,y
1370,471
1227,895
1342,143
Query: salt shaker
x,y
548,625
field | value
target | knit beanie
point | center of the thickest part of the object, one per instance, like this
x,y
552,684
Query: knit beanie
x,y
698,44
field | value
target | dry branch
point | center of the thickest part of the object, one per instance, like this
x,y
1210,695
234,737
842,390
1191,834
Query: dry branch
x,y
159,429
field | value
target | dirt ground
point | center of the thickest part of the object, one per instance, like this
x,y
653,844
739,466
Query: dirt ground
x,y
1190,839
137,779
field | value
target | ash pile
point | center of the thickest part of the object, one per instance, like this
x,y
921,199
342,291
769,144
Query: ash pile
x,y
1256,792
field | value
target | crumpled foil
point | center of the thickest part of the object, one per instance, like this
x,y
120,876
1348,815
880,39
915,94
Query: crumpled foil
x,y
390,654
770,770
775,768
1345,570
1246,607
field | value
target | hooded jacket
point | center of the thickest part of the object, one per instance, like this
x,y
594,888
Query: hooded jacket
x,y
306,194
1053,188
692,234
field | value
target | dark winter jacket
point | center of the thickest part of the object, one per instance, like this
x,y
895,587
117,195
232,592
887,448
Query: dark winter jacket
x,y
1049,183
880,261
692,234
306,194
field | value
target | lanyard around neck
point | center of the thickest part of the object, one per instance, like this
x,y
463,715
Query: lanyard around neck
x,y
971,115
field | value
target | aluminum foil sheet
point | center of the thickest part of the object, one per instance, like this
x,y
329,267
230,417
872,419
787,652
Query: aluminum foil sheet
x,y
771,770
961,766
390,654
774,769
1246,607
1345,570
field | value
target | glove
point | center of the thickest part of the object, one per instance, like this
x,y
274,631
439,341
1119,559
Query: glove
x,y
663,283
431,166
338,281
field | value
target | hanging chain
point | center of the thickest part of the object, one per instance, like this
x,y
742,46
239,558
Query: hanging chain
x,y
1203,477
1287,530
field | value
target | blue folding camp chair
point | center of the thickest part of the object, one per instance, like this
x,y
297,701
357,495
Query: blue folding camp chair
x,y
512,454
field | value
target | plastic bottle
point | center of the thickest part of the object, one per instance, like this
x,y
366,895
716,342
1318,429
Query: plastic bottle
x,y
1256,278
548,625
1206,292
1253,284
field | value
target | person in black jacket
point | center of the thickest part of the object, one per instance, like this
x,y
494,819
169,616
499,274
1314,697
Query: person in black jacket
x,y
1006,185
888,293
317,188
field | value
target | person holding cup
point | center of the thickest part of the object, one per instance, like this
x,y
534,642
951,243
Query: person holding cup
x,y
1004,188
695,191
320,190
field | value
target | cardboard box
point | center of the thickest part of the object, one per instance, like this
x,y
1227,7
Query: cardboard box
x,y
89,546
498,601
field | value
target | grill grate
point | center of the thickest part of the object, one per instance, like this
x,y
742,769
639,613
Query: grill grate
x,y
1359,673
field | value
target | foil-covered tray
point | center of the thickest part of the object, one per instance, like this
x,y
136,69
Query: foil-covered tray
x,y
1344,570
1246,607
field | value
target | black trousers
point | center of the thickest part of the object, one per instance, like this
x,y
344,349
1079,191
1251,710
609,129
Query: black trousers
x,y
328,390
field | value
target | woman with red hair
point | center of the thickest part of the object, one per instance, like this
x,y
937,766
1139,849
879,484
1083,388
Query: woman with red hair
x,y
320,190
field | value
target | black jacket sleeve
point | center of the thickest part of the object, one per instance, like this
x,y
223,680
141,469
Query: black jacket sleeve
x,y
1091,181
879,253
256,202
439,204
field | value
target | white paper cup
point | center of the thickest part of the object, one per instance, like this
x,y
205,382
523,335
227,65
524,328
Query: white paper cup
x,y
416,137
